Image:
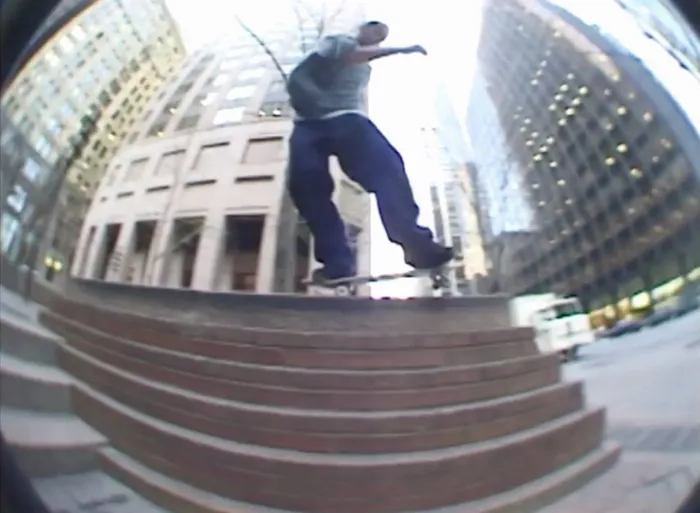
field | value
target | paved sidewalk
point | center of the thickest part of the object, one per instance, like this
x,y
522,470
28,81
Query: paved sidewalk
x,y
649,382
15,304
93,492
639,483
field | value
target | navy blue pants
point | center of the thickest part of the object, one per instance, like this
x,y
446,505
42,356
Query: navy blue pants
x,y
367,157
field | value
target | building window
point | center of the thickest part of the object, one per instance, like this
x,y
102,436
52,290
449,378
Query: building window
x,y
226,116
42,146
274,109
220,80
249,74
32,170
254,179
171,108
188,122
17,199
156,130
263,150
241,92
52,58
170,163
212,157
10,227
135,170
208,99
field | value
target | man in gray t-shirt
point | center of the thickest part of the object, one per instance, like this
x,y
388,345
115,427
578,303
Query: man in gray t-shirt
x,y
327,91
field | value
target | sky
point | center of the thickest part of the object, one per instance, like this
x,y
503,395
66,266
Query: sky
x,y
403,87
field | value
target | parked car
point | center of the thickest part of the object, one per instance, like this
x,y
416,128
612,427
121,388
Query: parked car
x,y
623,327
661,315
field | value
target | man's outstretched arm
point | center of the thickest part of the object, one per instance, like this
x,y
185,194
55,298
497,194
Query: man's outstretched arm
x,y
345,49
369,53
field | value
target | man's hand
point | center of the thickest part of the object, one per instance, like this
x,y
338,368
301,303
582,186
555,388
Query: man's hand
x,y
415,49
369,53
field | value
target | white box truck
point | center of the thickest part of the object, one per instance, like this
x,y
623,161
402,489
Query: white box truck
x,y
560,324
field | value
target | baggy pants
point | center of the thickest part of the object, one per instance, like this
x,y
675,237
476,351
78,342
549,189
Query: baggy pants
x,y
366,157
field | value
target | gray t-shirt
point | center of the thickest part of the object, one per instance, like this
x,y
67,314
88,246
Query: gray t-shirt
x,y
346,90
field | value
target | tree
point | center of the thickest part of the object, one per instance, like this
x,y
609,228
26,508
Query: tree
x,y
288,220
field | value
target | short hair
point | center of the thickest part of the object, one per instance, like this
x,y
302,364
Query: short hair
x,y
372,23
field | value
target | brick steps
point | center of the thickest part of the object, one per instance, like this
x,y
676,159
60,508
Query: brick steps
x,y
228,366
180,497
288,312
149,329
283,478
337,399
337,354
234,402
328,430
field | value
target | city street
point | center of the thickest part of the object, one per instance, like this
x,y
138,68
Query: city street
x,y
650,383
650,377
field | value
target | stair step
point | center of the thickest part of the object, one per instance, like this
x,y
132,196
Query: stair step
x,y
14,303
91,341
290,312
91,491
50,444
329,430
179,497
26,339
412,396
33,386
327,357
290,479
136,327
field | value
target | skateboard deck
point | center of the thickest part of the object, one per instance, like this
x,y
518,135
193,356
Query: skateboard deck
x,y
348,286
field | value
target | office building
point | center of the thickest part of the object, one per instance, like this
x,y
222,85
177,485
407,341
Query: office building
x,y
198,199
604,155
452,204
74,103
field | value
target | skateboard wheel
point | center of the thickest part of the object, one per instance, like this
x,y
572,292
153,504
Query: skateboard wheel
x,y
344,290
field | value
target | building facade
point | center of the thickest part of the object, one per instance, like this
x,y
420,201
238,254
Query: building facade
x,y
503,212
74,103
605,157
198,200
453,208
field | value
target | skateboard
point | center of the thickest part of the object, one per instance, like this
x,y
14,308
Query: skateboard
x,y
440,278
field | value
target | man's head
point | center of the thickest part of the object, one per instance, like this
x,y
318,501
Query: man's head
x,y
372,33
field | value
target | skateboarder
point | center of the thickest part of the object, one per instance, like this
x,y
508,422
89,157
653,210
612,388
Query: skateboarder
x,y
327,91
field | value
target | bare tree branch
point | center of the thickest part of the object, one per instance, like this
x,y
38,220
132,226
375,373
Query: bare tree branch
x,y
264,46
300,25
324,20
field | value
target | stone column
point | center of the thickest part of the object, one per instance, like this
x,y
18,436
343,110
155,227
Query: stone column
x,y
209,251
267,255
95,252
82,250
123,249
157,256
